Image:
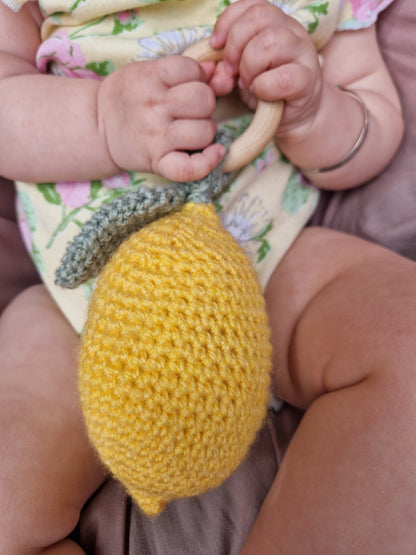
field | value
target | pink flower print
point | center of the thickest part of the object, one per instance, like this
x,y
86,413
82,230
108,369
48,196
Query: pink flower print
x,y
117,181
66,57
126,21
74,193
124,17
366,10
263,163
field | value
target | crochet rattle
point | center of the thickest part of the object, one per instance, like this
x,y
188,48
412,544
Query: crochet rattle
x,y
175,357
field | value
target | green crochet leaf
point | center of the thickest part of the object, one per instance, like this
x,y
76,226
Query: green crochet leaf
x,y
99,238
91,249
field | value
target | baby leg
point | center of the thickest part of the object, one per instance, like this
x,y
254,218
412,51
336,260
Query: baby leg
x,y
343,315
47,468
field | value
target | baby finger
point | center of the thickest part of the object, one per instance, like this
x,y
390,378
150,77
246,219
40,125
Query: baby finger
x,y
270,48
191,100
291,82
181,166
190,134
175,70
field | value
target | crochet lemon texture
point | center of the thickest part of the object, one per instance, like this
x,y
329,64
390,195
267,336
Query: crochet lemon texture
x,y
174,369
175,356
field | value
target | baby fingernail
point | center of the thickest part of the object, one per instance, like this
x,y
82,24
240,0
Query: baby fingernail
x,y
229,68
221,151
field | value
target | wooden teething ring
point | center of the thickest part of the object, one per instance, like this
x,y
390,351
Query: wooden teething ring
x,y
262,127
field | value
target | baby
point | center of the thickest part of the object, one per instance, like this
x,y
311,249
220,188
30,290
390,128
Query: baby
x,y
130,111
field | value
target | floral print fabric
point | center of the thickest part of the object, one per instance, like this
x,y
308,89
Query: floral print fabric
x,y
268,203
359,14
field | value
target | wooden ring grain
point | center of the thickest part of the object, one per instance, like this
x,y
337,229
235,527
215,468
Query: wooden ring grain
x,y
262,127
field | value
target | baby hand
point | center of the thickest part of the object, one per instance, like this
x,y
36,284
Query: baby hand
x,y
272,57
153,111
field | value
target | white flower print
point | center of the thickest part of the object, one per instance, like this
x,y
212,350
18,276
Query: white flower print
x,y
290,6
171,42
246,220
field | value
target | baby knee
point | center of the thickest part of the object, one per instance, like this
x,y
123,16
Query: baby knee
x,y
361,324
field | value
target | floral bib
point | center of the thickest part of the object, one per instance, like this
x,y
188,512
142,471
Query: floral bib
x,y
266,205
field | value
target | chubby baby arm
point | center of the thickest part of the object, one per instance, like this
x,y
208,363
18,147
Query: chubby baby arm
x,y
49,129
140,118
271,57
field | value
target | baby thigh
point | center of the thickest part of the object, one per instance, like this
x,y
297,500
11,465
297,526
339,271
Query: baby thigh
x,y
47,468
335,297
343,318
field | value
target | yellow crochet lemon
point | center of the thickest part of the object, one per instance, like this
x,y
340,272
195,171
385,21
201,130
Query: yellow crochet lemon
x,y
175,361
